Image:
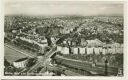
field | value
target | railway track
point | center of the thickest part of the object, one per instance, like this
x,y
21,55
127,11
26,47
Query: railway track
x,y
84,66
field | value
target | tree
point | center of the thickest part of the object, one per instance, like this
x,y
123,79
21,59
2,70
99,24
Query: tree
x,y
6,63
47,32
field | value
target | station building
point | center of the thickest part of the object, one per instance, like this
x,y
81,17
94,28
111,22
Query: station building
x,y
20,63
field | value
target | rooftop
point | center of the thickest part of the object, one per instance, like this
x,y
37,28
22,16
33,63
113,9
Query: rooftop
x,y
22,59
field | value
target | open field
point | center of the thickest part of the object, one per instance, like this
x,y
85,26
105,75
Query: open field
x,y
11,55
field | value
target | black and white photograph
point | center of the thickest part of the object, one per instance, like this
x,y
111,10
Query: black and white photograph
x,y
63,38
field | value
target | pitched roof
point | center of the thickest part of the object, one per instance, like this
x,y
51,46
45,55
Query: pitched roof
x,y
94,43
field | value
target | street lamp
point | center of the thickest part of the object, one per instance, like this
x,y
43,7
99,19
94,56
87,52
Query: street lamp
x,y
106,67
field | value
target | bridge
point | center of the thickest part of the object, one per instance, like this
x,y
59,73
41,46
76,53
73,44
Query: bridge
x,y
44,59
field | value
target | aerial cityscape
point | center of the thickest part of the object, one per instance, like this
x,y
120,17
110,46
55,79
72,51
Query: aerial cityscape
x,y
43,43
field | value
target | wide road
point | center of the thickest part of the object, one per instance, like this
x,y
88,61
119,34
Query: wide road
x,y
43,60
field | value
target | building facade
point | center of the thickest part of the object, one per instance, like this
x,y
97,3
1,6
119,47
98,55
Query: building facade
x,y
21,63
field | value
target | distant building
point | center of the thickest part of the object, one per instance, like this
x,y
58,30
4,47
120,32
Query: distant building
x,y
95,43
65,31
52,30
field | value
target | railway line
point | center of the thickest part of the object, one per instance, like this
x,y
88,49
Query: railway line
x,y
84,66
77,66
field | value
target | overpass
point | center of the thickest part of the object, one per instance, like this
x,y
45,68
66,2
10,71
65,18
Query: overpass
x,y
43,60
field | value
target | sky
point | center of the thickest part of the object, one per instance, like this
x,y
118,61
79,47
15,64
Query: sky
x,y
39,7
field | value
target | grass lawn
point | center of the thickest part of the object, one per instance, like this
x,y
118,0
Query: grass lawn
x,y
12,55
